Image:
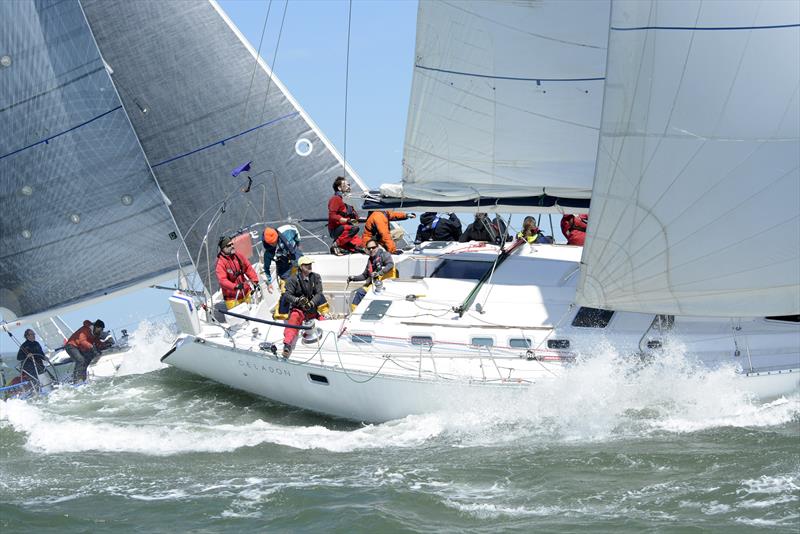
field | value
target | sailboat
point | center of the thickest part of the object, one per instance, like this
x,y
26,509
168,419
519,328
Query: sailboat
x,y
120,125
674,124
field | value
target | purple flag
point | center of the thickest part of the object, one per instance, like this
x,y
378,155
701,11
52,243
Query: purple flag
x,y
240,169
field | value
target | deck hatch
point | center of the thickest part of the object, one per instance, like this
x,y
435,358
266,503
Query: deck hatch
x,y
376,310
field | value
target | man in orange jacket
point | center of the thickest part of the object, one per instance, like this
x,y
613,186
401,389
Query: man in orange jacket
x,y
84,345
377,228
233,272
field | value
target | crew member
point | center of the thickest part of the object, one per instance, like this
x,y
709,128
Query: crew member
x,y
574,228
530,232
343,220
485,229
378,228
84,345
31,355
380,266
303,295
433,227
233,272
282,246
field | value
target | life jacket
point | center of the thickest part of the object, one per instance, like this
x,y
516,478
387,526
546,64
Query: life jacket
x,y
431,226
241,271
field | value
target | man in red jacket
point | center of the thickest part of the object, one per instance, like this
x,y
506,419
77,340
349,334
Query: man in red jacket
x,y
343,220
574,228
235,274
84,345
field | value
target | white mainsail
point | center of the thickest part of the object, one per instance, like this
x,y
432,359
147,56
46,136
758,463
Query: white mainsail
x,y
696,203
505,101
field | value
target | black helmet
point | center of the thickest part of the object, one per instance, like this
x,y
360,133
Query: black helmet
x,y
99,324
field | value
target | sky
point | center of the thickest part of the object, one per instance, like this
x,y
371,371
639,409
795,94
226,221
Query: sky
x,y
312,62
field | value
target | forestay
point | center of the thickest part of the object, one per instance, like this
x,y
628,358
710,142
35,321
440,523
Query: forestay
x,y
505,101
696,204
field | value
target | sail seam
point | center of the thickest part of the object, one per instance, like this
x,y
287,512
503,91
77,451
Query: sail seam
x,y
705,28
48,139
223,141
512,78
48,91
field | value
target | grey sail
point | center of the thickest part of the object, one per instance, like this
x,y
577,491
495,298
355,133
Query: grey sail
x,y
82,214
201,106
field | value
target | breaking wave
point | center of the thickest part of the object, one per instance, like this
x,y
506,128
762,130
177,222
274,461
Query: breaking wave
x,y
603,398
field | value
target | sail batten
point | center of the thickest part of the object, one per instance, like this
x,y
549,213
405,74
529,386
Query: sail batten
x,y
696,199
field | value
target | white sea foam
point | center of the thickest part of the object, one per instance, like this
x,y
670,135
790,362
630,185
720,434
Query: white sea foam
x,y
149,343
50,432
605,397
608,396
770,485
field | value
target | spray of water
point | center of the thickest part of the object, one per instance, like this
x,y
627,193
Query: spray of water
x,y
149,343
604,397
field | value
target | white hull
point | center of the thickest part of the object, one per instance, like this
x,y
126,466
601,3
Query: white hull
x,y
329,389
417,356
367,396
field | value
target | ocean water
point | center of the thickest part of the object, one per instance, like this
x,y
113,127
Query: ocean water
x,y
606,448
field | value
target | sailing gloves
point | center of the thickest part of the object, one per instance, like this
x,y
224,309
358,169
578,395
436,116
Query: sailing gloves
x,y
304,304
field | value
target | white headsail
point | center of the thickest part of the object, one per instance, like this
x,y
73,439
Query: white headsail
x,y
505,102
696,203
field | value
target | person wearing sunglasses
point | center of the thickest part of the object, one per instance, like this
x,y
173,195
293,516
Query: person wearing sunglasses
x,y
303,296
235,274
380,266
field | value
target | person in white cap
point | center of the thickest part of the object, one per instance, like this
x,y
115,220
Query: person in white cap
x,y
303,294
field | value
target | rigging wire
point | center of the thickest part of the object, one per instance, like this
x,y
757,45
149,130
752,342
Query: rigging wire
x,y
255,64
272,72
346,86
